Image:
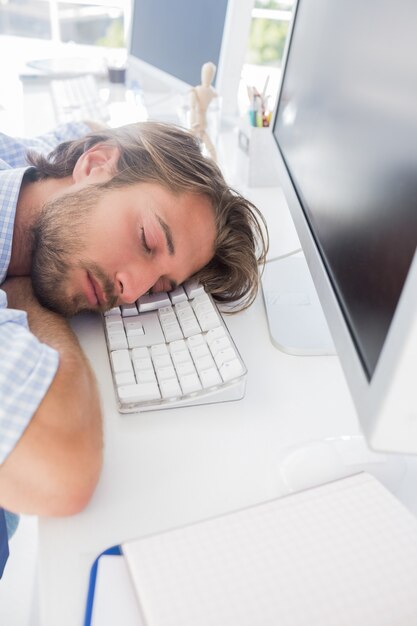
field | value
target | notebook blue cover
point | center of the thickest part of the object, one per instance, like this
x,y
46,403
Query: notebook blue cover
x,y
115,551
4,543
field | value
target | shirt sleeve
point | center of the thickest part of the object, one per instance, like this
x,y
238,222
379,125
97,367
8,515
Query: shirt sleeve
x,y
13,149
27,368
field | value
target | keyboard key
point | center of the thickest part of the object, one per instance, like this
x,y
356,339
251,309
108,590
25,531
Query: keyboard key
x,y
200,351
190,383
146,376
170,388
159,350
184,368
204,363
114,323
121,361
128,310
208,321
224,356
182,356
136,331
172,332
169,323
182,306
177,295
115,327
193,288
153,301
188,321
162,361
205,312
210,377
164,373
134,340
217,345
125,378
117,340
140,353
133,322
214,334
167,315
139,393
231,369
166,312
202,300
190,327
178,346
143,364
196,340
184,312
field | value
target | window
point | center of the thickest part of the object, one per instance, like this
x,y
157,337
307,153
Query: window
x,y
98,22
268,33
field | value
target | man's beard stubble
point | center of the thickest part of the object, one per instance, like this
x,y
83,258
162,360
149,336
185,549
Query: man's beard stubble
x,y
59,239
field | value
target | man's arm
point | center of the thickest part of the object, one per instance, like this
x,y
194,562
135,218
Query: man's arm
x,y
55,465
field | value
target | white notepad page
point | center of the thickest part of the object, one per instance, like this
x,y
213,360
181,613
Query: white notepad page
x,y
343,554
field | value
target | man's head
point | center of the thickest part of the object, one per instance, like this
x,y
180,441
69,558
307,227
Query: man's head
x,y
145,210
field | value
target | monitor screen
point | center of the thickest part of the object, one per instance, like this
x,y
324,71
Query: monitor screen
x,y
178,37
346,128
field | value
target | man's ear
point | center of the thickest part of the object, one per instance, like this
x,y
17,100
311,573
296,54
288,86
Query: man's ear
x,y
96,165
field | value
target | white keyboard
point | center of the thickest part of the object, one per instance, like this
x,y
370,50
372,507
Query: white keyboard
x,y
78,99
172,349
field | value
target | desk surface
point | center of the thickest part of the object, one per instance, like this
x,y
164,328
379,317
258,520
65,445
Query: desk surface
x,y
168,468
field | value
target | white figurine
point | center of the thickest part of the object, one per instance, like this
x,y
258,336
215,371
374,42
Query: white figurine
x,y
200,98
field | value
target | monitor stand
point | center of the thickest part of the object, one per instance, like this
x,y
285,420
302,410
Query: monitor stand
x,y
295,318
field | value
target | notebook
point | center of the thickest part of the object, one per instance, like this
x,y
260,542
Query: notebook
x,y
344,553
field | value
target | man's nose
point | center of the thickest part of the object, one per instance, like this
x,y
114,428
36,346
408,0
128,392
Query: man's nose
x,y
135,283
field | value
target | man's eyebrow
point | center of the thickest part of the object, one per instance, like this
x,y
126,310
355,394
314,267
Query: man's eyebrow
x,y
168,235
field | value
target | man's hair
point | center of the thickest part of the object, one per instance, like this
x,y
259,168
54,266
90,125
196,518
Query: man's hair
x,y
170,156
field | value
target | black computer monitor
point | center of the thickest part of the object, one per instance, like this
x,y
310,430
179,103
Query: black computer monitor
x,y
346,134
171,40
178,37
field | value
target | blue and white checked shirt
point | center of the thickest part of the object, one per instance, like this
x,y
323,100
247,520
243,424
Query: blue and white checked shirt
x,y
27,367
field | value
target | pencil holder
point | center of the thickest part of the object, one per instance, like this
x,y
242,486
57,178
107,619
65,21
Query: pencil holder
x,y
256,156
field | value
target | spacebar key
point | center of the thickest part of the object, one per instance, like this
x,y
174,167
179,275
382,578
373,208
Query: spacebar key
x,y
139,393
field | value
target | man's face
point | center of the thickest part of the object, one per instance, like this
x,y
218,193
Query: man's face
x,y
95,249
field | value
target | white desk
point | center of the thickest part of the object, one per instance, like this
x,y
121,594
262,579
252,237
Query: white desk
x,y
169,468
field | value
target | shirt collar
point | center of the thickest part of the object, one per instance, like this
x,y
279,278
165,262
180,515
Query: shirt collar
x,y
10,184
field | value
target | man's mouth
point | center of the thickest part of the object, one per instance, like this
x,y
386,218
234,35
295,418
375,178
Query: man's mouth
x,y
95,293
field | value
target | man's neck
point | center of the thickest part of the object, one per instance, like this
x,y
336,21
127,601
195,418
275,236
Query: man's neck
x,y
32,197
